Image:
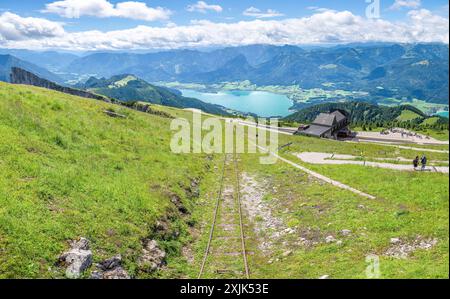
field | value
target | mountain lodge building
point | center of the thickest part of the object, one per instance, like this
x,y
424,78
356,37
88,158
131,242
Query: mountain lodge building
x,y
327,125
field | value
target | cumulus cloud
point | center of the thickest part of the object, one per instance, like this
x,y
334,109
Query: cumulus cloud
x,y
203,7
399,4
74,9
326,27
259,14
15,28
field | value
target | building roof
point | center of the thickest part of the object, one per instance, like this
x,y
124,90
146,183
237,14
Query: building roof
x,y
339,116
316,130
329,119
325,119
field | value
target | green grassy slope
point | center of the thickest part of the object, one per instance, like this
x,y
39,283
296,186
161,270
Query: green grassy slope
x,y
68,170
407,115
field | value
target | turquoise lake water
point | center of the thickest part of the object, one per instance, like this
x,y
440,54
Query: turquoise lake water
x,y
264,104
443,113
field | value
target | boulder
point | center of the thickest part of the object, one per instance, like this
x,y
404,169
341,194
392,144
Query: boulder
x,y
77,259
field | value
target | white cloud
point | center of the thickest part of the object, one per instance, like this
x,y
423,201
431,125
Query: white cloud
x,y
104,9
259,14
203,7
319,9
327,27
14,28
399,4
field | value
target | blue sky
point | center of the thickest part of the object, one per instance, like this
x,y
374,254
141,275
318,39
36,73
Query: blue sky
x,y
232,11
54,19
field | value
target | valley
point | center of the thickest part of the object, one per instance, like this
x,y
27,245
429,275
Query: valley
x,y
304,98
70,171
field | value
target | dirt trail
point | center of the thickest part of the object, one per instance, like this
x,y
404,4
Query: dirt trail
x,y
331,159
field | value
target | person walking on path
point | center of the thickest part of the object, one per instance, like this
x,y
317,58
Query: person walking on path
x,y
416,162
424,162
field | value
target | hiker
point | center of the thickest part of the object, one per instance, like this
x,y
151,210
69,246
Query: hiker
x,y
416,162
424,162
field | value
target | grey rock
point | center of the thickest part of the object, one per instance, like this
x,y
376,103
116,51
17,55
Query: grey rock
x,y
287,253
117,273
77,259
152,258
111,269
395,240
346,232
111,263
330,239
82,244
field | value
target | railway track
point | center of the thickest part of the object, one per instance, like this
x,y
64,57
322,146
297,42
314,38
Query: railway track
x,y
226,254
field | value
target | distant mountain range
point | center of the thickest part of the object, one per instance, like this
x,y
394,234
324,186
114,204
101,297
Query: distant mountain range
x,y
384,70
129,88
7,62
50,60
401,71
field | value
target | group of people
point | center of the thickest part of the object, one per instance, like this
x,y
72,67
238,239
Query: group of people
x,y
422,161
404,133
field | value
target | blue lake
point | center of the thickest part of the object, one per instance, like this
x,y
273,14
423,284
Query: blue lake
x,y
264,104
443,113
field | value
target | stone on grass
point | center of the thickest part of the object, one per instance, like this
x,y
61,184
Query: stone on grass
x,y
330,239
111,269
77,259
346,232
152,258
395,240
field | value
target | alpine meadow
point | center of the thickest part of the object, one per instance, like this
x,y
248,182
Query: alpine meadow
x,y
183,144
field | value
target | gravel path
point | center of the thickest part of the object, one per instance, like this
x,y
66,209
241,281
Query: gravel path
x,y
330,159
318,175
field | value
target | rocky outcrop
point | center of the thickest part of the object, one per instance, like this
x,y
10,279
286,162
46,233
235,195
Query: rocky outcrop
x,y
20,76
152,258
77,259
110,269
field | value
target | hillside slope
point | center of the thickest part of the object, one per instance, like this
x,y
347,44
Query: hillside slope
x,y
129,88
7,62
69,170
364,113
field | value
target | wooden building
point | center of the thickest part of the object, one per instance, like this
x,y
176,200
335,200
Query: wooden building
x,y
328,125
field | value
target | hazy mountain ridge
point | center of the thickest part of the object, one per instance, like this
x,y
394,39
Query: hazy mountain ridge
x,y
50,60
392,70
7,62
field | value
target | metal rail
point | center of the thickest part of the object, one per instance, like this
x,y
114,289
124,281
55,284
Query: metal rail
x,y
238,192
216,212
